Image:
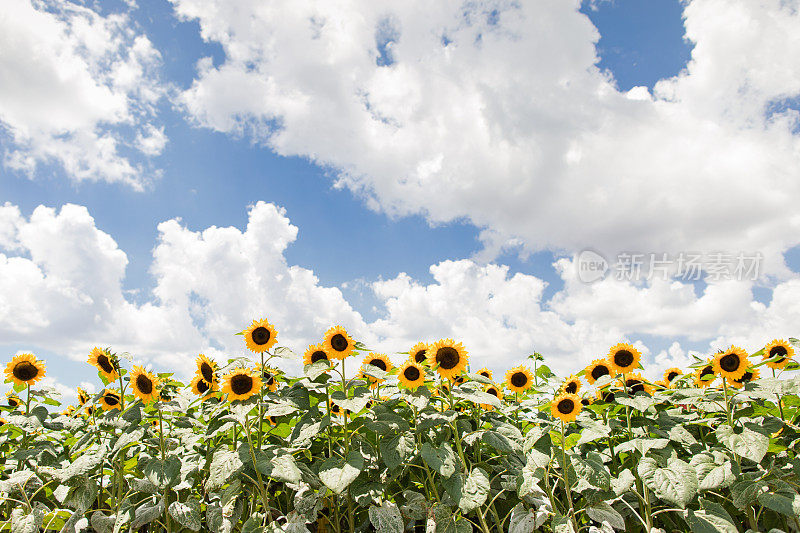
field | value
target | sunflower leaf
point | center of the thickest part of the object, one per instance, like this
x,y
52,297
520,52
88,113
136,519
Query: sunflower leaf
x,y
603,512
186,513
677,483
223,464
441,459
164,473
337,474
714,470
748,444
396,450
713,518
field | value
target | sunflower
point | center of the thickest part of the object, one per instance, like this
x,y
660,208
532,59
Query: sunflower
x,y
25,369
200,386
68,411
83,396
485,372
336,410
272,420
207,369
598,369
571,385
494,390
378,360
338,343
751,374
314,353
778,348
587,401
13,400
260,336
566,407
241,383
519,379
670,374
144,384
110,399
411,375
448,357
605,395
636,383
732,363
105,363
419,353
3,421
269,378
704,376
623,357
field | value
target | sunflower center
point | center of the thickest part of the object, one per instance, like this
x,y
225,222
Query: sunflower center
x,y
485,374
747,376
623,358
339,342
269,379
104,363
241,384
144,384
319,355
112,399
565,406
207,372
519,379
202,386
707,371
672,375
600,371
334,408
635,385
571,388
411,373
608,396
780,351
420,356
730,362
447,357
12,402
492,391
379,363
261,335
25,371
585,401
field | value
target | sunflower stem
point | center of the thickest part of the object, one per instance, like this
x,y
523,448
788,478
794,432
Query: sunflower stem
x,y
567,486
28,401
262,491
780,401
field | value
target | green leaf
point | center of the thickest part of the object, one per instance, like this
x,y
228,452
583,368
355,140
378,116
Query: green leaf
x,y
522,520
415,507
785,502
714,470
497,441
284,468
164,473
187,513
386,518
337,474
713,518
603,512
475,491
746,492
592,430
396,450
591,470
223,464
441,459
677,483
747,444
355,404
147,513
623,483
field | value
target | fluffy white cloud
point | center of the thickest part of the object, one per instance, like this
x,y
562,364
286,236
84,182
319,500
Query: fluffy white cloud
x,y
75,84
496,111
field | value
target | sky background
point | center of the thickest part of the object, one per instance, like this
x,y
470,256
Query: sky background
x,y
172,170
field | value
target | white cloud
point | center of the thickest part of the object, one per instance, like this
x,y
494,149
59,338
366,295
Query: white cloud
x,y
73,80
496,111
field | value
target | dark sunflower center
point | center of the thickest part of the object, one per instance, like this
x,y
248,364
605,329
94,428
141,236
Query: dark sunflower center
x,y
207,372
519,379
707,371
608,396
12,402
600,371
747,376
571,388
411,373
241,384
379,363
585,401
261,335
104,363
144,384
112,399
485,374
623,358
339,342
730,362
202,386
25,371
334,408
420,356
269,379
492,391
319,355
447,357
565,406
635,385
672,375
779,351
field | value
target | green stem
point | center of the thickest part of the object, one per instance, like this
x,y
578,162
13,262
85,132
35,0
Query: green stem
x,y
567,486
163,461
262,491
780,401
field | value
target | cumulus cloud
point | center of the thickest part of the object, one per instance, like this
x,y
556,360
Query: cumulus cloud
x,y
78,90
497,112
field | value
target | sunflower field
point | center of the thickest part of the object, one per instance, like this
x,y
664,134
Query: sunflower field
x,y
356,443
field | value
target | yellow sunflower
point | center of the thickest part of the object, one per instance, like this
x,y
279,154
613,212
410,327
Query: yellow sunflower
x,y
380,361
25,369
411,375
200,386
751,374
778,348
260,336
68,411
241,383
336,410
519,379
448,357
207,369
110,399
13,400
419,353
587,401
338,343
566,407
144,384
605,395
83,396
105,363
485,372
704,375
269,376
671,374
732,363
636,383
3,421
314,353
598,369
623,357
571,385
494,390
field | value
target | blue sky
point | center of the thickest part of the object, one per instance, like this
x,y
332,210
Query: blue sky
x,y
210,178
